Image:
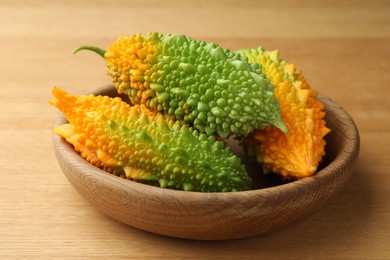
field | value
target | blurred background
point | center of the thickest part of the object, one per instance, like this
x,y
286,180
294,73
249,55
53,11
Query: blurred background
x,y
342,47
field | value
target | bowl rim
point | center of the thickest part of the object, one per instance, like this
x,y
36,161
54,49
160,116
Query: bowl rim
x,y
323,176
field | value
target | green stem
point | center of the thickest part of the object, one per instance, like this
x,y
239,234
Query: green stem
x,y
91,48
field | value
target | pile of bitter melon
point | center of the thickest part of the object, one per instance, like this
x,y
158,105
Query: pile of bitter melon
x,y
187,96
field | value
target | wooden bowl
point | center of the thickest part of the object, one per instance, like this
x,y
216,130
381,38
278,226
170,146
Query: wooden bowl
x,y
214,216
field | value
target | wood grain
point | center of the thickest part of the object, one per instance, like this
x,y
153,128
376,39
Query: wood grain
x,y
342,47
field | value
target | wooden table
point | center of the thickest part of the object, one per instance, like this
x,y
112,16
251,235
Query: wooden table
x,y
342,47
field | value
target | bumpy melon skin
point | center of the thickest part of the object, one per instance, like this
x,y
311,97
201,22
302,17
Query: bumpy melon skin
x,y
199,83
145,146
298,153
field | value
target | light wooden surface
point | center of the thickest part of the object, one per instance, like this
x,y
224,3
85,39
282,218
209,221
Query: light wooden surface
x,y
343,48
